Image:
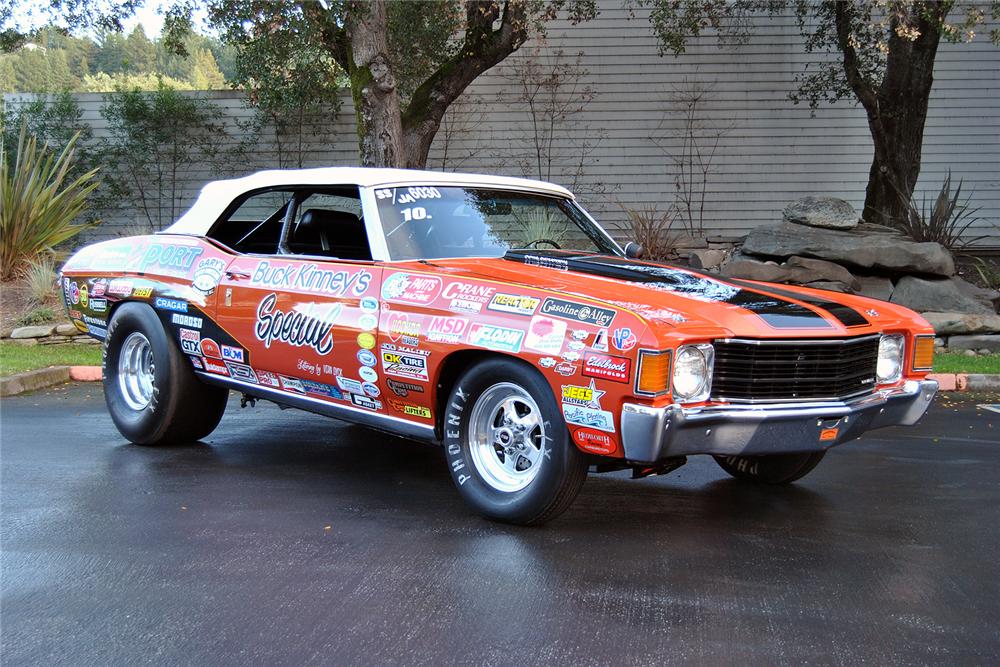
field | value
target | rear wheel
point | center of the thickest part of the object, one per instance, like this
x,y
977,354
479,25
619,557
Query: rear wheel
x,y
151,390
507,445
771,469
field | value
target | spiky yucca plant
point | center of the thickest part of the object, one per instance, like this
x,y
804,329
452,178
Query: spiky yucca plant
x,y
38,202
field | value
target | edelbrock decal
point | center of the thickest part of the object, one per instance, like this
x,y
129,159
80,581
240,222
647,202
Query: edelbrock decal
x,y
606,367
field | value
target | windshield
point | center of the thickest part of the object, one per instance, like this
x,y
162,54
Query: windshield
x,y
436,222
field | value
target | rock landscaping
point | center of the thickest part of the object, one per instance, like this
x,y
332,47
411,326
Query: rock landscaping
x,y
822,243
47,334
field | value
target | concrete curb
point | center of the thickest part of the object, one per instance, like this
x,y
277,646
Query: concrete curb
x,y
966,381
42,378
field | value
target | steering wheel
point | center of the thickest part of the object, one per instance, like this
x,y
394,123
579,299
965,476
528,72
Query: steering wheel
x,y
535,243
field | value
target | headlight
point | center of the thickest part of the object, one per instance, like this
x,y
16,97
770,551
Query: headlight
x,y
890,359
693,372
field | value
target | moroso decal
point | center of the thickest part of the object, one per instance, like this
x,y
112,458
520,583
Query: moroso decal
x,y
186,320
307,325
605,367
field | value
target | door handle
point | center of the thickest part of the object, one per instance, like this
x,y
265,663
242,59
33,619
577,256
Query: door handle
x,y
237,275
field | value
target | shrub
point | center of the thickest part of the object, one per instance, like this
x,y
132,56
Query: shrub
x,y
651,230
38,202
39,315
41,279
945,222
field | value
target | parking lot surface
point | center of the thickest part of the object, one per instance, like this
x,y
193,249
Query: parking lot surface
x,y
290,538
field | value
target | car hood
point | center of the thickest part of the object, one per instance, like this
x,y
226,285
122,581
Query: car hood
x,y
667,296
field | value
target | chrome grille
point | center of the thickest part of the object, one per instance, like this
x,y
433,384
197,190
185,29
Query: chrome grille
x,y
769,370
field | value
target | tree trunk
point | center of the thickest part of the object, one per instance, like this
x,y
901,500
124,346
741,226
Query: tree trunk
x,y
373,86
897,118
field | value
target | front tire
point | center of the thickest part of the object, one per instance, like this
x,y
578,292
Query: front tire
x,y
507,445
771,469
151,390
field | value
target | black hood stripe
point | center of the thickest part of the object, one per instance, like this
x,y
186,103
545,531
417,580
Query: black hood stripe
x,y
771,305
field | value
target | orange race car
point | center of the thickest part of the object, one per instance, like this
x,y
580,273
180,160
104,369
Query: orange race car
x,y
493,316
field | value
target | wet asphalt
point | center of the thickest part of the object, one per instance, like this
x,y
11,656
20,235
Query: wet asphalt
x,y
287,538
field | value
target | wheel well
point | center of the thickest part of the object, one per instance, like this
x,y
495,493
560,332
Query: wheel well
x,y
451,368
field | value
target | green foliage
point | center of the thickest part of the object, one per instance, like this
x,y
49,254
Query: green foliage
x,y
956,362
39,315
989,273
109,83
41,279
154,137
39,202
945,221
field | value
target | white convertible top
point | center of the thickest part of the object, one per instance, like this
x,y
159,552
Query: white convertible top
x,y
217,195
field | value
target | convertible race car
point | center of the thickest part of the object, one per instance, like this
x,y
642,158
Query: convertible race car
x,y
492,316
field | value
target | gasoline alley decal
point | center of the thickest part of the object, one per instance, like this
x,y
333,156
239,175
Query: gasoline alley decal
x,y
307,324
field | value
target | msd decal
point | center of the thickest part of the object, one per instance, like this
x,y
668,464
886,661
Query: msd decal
x,y
496,338
605,367
410,288
447,329
623,339
545,334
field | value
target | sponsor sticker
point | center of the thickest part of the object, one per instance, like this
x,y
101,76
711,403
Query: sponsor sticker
x,y
572,310
403,389
515,304
196,362
418,289
74,293
241,372
547,362
98,305
401,328
99,287
547,262
593,441
292,384
623,339
83,295
368,374
268,378
411,410
600,343
447,329
366,341
545,334
186,320
367,358
467,297
369,304
496,338
304,325
367,322
588,397
606,367
190,340
401,364
119,287
363,401
579,334
602,420
142,292
350,386
321,389
215,367
310,277
175,305
99,332
566,369
371,390
208,274
210,348
231,353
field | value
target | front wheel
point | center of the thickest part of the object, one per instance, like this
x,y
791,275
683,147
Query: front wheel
x,y
151,390
507,446
770,469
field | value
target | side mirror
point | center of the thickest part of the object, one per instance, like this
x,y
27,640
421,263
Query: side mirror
x,y
633,250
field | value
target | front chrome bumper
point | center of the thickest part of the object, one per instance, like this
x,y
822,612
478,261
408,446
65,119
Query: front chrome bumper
x,y
650,434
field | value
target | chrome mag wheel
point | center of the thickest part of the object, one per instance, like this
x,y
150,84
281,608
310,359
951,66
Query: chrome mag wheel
x,y
507,437
135,371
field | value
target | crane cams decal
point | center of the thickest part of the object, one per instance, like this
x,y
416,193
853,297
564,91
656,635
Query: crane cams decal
x,y
467,297
308,325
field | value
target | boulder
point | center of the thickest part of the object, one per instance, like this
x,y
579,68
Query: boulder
x,y
824,271
937,295
706,259
989,297
978,342
874,287
750,269
875,252
830,286
946,324
67,329
40,331
828,212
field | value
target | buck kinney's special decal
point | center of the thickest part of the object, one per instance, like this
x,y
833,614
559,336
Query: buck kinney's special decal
x,y
310,277
410,288
307,325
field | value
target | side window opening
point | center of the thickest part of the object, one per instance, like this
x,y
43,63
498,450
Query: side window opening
x,y
254,223
329,223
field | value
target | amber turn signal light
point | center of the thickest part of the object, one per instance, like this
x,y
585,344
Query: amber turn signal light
x,y
923,353
654,373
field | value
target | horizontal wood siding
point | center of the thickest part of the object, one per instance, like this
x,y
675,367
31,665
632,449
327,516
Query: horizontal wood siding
x,y
772,152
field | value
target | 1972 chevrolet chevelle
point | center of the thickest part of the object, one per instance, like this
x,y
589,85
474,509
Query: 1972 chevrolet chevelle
x,y
493,316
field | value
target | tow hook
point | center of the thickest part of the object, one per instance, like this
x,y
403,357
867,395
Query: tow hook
x,y
246,398
661,468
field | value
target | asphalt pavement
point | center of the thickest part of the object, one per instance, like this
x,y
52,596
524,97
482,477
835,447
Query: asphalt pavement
x,y
288,538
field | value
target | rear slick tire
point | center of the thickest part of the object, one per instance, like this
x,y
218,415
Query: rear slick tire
x,y
150,388
507,446
771,469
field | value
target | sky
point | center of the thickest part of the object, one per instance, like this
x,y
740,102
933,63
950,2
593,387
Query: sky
x,y
30,14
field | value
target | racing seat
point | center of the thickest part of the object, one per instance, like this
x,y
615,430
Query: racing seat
x,y
330,234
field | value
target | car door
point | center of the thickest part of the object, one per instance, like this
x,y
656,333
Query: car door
x,y
306,315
